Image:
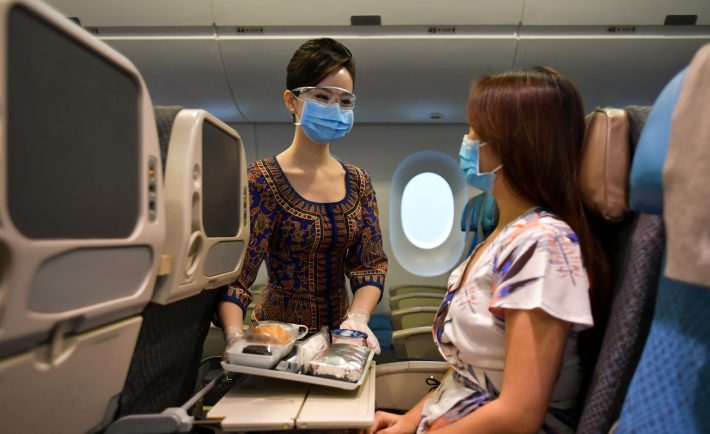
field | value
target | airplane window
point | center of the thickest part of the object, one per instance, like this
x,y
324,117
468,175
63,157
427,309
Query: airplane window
x,y
427,210
427,196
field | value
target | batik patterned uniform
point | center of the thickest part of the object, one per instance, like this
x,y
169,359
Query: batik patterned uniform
x,y
535,262
309,248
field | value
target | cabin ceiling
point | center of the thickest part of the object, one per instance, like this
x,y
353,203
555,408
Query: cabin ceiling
x,y
229,57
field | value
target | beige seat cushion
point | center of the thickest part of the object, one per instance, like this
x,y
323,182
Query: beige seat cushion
x,y
606,162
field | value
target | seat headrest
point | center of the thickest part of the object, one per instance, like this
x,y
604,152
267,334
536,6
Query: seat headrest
x,y
604,172
164,119
646,171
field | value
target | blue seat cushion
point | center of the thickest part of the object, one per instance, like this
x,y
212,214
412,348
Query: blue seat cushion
x,y
669,391
381,326
647,168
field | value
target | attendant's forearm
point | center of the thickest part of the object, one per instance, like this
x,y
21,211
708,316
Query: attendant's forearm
x,y
366,298
230,315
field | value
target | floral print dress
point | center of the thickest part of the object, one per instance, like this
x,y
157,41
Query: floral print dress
x,y
535,262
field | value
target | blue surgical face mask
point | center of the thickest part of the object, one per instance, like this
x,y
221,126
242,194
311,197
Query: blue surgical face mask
x,y
470,163
325,123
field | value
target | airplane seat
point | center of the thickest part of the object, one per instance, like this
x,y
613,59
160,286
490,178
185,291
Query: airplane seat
x,y
409,317
416,299
411,305
401,385
668,392
381,326
414,341
633,242
408,289
206,234
82,224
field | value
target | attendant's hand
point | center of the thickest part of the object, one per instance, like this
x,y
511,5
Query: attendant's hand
x,y
231,335
388,423
357,320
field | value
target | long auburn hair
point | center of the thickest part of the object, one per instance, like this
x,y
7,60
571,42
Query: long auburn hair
x,y
534,120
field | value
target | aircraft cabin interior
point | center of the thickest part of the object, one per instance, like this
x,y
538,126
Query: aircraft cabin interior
x,y
231,216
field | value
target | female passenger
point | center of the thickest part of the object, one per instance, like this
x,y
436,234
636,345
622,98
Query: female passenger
x,y
313,218
508,324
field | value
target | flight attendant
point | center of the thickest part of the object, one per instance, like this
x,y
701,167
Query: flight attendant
x,y
509,322
314,219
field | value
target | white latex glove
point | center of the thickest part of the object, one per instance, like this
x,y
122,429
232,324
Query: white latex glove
x,y
231,335
357,320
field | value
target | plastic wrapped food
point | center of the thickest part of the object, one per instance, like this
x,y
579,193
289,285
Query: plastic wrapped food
x,y
347,336
279,333
276,333
264,344
258,351
313,346
263,350
341,362
292,362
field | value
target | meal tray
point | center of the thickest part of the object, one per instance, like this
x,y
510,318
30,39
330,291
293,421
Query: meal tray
x,y
301,378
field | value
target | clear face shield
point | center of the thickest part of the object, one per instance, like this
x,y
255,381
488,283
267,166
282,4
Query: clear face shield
x,y
326,95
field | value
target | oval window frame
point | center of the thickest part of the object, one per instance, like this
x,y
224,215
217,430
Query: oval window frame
x,y
443,258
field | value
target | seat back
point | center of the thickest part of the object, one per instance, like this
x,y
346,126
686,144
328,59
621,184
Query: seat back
x,y
669,391
408,289
648,163
206,201
416,299
83,223
207,232
415,343
634,246
413,317
401,385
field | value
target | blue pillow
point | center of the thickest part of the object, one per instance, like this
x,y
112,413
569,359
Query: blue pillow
x,y
647,168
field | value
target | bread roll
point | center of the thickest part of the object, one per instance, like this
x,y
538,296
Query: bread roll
x,y
275,332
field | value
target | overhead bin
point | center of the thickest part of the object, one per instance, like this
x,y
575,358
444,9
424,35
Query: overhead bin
x,y
612,12
137,13
400,78
181,70
391,12
614,70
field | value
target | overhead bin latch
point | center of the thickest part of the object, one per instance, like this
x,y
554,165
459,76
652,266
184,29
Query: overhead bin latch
x,y
680,20
365,20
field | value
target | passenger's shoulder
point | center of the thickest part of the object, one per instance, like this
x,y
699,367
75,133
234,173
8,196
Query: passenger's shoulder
x,y
551,223
542,228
